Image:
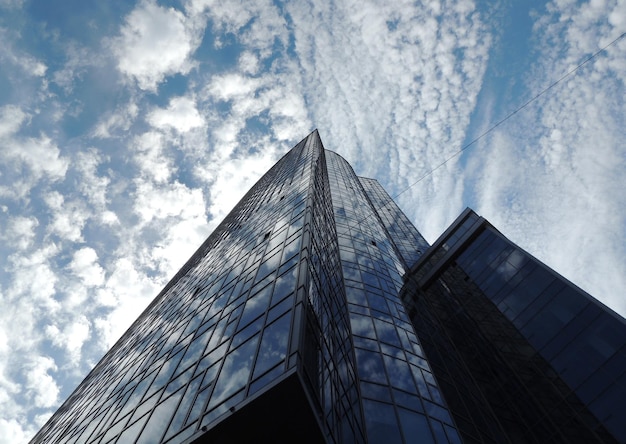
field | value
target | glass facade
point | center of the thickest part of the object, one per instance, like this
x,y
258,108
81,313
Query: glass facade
x,y
408,241
520,351
401,399
290,306
317,312
260,303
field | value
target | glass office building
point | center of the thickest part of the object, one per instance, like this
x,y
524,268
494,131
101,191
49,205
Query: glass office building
x,y
521,354
315,312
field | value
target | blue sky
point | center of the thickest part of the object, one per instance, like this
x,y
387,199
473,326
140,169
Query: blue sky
x,y
129,130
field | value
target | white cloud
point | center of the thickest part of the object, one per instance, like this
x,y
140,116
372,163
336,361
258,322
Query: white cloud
x,y
20,231
11,3
93,185
80,61
68,217
275,95
174,199
109,218
39,155
233,178
178,214
33,66
181,115
11,119
132,291
73,294
249,62
234,85
40,290
10,55
4,341
71,337
392,88
179,243
118,120
155,42
25,381
85,266
42,156
257,25
13,431
150,156
40,384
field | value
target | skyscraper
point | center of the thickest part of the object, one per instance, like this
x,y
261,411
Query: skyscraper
x,y
302,317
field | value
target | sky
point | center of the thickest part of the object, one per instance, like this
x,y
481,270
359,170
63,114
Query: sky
x,y
128,130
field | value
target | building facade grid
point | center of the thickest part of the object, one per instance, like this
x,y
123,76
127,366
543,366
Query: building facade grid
x,y
317,300
400,397
522,354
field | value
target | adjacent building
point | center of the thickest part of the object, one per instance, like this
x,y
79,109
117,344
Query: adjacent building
x,y
317,312
520,353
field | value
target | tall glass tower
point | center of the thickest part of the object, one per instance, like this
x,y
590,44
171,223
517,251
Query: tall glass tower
x,y
308,314
285,323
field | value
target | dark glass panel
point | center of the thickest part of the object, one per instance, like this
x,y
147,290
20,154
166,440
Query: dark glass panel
x,y
375,391
256,305
408,400
146,406
183,407
247,333
387,332
131,433
194,350
399,373
438,412
273,348
415,427
159,420
370,365
362,325
356,296
235,372
381,422
265,379
198,405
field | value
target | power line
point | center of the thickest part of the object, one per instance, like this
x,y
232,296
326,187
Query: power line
x,y
500,122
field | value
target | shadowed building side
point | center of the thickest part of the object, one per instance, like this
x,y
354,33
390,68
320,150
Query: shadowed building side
x,y
522,354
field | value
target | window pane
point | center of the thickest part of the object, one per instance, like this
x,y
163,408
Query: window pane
x,y
274,344
234,374
382,425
